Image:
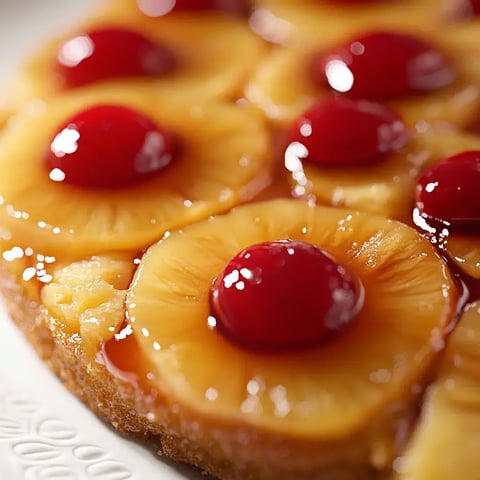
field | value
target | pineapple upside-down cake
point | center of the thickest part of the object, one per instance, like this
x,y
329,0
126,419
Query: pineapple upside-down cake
x,y
247,232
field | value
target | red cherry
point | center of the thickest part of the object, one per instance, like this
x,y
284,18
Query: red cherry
x,y
344,132
448,190
383,65
111,53
282,295
474,7
156,8
108,146
463,9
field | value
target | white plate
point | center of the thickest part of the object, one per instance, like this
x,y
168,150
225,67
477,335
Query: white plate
x,y
45,433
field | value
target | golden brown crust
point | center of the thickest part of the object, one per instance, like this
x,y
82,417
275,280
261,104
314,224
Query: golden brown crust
x,y
71,310
171,429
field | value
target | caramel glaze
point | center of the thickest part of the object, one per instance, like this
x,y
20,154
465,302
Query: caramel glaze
x,y
123,358
437,233
121,355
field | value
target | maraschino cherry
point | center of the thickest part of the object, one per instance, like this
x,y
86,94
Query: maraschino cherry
x,y
340,131
111,53
156,8
284,295
448,191
462,9
108,146
474,7
383,65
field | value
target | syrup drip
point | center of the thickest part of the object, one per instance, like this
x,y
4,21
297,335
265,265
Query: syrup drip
x,y
120,355
438,232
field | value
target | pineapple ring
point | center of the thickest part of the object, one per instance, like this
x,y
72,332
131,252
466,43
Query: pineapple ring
x,y
59,219
383,354
451,412
283,89
294,21
464,250
207,68
386,187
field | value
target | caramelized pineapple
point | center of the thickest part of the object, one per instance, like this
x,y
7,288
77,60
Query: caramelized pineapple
x,y
294,21
337,397
388,66
447,439
359,154
464,250
86,298
191,56
115,169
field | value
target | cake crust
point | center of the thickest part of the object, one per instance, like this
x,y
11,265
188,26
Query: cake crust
x,y
176,436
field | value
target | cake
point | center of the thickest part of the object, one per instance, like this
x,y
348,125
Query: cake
x,y
246,233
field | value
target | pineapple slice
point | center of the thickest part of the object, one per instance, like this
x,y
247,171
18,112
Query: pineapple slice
x,y
295,21
464,250
283,88
331,403
65,220
447,440
386,187
86,298
207,67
